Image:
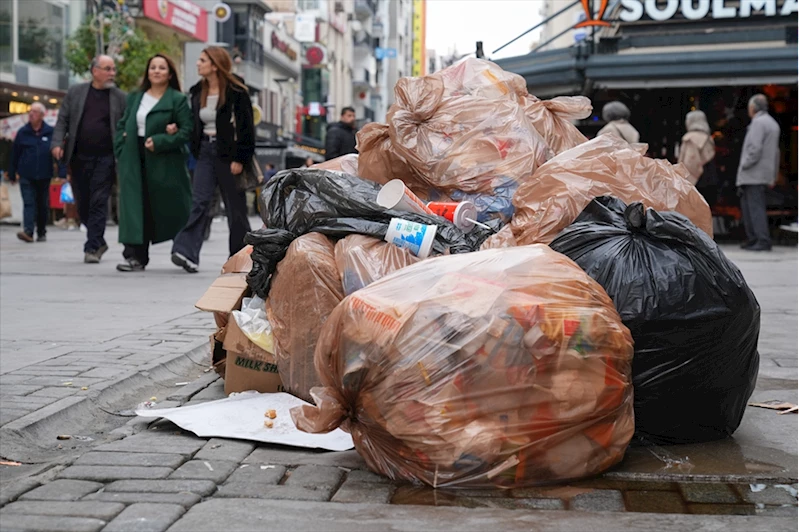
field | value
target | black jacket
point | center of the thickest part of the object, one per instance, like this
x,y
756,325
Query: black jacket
x,y
242,149
340,140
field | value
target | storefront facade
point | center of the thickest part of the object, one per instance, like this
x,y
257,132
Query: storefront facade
x,y
663,60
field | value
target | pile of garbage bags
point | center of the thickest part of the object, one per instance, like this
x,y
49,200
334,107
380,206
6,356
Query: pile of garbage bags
x,y
587,303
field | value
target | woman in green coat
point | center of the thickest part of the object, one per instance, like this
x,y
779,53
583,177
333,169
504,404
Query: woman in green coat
x,y
154,187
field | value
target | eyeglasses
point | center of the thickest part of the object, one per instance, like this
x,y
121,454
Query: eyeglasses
x,y
108,69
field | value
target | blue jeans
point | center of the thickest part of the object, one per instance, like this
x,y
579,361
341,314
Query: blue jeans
x,y
212,171
92,178
36,199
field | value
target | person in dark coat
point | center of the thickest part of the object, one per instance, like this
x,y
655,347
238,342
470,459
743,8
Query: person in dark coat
x,y
340,138
32,165
155,191
84,139
223,141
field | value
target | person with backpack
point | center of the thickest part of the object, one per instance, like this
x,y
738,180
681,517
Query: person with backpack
x,y
698,154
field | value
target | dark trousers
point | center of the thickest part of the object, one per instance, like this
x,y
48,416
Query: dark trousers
x,y
36,199
141,252
753,208
92,177
210,172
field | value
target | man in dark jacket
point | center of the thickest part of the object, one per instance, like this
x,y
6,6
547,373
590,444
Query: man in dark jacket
x,y
340,138
83,139
32,165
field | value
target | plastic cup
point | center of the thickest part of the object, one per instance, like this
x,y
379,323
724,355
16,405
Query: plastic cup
x,y
415,237
396,196
461,214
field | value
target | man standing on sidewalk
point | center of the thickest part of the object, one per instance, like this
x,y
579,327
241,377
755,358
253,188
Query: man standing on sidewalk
x,y
87,121
32,165
757,171
340,138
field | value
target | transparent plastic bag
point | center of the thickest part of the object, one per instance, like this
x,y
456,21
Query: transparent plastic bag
x,y
552,119
347,164
252,321
66,193
362,260
604,166
694,320
506,367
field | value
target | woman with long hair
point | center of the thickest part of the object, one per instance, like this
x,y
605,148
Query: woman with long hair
x,y
155,192
223,141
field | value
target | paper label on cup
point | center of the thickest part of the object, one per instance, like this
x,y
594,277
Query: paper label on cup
x,y
408,234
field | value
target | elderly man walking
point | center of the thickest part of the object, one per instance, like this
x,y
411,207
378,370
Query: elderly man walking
x,y
757,171
87,122
32,165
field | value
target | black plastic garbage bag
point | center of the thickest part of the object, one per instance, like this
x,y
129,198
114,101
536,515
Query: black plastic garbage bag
x,y
296,202
694,320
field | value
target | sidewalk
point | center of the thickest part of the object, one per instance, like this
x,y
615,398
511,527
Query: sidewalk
x,y
155,475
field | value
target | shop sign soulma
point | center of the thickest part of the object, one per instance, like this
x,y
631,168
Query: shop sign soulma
x,y
634,10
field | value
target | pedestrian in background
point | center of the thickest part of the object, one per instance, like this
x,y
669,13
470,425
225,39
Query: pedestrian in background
x,y
155,191
617,116
757,171
698,154
87,123
340,138
32,165
308,163
223,141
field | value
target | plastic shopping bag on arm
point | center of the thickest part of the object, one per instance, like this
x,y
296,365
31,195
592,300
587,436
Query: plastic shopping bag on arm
x,y
694,320
604,166
506,367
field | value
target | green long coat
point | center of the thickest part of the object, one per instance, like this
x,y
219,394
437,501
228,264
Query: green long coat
x,y
168,185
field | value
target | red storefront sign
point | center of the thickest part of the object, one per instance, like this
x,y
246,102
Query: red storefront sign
x,y
181,15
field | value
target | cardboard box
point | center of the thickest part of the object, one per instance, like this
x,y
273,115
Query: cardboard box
x,y
247,366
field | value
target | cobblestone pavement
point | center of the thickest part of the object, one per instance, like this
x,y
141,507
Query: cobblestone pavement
x,y
154,476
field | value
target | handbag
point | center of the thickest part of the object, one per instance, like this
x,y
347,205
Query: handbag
x,y
251,176
5,202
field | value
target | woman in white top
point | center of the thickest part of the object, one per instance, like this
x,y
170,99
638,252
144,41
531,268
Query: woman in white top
x,y
155,192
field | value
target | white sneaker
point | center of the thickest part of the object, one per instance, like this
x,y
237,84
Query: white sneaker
x,y
178,259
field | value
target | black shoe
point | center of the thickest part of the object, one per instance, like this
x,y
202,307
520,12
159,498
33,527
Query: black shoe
x,y
100,252
41,238
179,260
746,245
759,247
131,265
25,237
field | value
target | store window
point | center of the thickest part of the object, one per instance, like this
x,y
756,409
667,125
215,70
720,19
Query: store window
x,y
41,33
244,31
6,50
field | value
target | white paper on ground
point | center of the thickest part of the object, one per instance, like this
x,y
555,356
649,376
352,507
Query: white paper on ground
x,y
241,417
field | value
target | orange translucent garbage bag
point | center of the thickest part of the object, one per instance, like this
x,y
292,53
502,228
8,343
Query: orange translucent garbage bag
x,y
462,142
346,163
604,166
483,79
552,119
507,367
304,291
379,162
362,260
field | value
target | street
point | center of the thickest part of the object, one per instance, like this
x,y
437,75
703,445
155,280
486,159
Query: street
x,y
82,345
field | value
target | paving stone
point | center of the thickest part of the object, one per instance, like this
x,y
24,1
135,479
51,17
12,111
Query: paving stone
x,y
777,511
62,490
55,392
38,523
773,495
153,441
315,477
199,470
7,415
102,473
366,476
99,510
213,392
363,492
540,504
104,373
722,509
599,501
10,490
241,490
13,379
46,371
659,502
131,459
11,390
257,474
186,500
273,455
77,382
27,402
200,487
708,493
786,362
146,517
221,449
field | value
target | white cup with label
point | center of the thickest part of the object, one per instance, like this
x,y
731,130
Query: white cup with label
x,y
396,196
415,237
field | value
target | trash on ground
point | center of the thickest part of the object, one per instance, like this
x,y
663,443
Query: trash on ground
x,y
497,368
786,408
694,321
241,416
63,437
7,463
252,321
